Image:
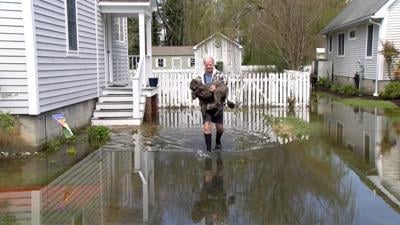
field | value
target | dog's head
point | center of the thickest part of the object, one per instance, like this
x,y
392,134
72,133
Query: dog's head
x,y
195,84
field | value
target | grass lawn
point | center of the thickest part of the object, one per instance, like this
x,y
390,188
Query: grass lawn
x,y
367,103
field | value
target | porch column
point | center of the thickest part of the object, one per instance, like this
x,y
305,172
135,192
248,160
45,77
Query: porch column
x,y
148,36
142,36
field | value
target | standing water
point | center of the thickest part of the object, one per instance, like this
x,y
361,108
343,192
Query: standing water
x,y
348,172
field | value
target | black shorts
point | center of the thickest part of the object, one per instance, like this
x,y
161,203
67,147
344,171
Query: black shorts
x,y
209,116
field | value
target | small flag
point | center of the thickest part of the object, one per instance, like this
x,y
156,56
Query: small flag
x,y
60,118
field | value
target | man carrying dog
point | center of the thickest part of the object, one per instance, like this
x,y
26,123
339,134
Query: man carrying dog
x,y
212,75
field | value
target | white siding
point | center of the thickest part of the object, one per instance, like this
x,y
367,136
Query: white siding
x,y
228,53
13,78
18,205
393,27
120,56
67,79
355,51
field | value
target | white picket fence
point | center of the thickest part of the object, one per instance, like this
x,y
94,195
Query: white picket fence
x,y
246,89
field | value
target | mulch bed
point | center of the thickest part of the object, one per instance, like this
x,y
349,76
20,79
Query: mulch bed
x,y
363,96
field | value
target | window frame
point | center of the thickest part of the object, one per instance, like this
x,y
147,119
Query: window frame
x,y
341,42
173,66
69,51
330,44
355,35
163,62
367,42
190,62
118,29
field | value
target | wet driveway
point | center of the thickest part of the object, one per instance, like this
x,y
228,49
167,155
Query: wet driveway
x,y
349,174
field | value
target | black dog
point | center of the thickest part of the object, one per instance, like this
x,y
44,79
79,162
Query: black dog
x,y
209,100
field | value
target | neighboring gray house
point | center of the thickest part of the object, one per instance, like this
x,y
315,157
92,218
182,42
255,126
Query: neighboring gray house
x,y
173,57
56,56
354,40
223,50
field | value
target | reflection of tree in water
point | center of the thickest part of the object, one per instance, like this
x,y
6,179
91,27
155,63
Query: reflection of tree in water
x,y
299,184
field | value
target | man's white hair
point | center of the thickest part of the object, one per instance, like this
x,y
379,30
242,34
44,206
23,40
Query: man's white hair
x,y
208,57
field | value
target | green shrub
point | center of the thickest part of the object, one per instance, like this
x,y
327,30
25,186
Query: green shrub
x,y
52,145
392,90
348,90
324,82
71,151
7,121
98,135
335,87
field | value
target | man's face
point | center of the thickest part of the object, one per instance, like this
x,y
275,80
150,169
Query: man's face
x,y
209,65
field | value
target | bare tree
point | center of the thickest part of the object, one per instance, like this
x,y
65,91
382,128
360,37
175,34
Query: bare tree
x,y
288,30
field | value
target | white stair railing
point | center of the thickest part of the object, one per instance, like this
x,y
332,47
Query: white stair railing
x,y
137,84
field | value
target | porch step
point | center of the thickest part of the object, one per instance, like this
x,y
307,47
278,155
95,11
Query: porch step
x,y
113,113
128,121
114,105
115,98
117,91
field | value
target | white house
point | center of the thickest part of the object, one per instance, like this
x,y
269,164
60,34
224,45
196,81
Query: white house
x,y
223,50
57,56
173,57
354,40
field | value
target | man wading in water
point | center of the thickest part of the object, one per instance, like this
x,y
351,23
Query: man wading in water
x,y
212,75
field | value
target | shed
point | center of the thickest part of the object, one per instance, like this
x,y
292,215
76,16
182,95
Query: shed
x,y
222,49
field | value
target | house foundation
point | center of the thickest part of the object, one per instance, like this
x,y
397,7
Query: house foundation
x,y
367,85
35,129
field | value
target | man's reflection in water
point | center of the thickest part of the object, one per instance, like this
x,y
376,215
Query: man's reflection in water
x,y
213,204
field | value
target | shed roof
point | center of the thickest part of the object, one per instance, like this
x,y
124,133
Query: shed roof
x,y
221,35
173,51
356,11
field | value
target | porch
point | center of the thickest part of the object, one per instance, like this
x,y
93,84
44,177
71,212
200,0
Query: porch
x,y
122,101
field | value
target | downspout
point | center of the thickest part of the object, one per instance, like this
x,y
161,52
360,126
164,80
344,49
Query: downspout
x,y
97,48
376,94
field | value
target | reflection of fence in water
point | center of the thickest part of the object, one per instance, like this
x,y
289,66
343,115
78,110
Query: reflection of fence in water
x,y
251,120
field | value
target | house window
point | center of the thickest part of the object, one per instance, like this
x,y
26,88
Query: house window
x,y
352,35
72,29
119,29
192,62
330,42
370,36
341,44
161,63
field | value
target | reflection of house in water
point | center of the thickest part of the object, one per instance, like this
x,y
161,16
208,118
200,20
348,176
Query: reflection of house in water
x,y
363,133
85,192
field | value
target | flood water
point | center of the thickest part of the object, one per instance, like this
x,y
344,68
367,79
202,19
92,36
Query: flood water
x,y
347,174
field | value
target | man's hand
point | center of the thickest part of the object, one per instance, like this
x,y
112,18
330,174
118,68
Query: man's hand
x,y
212,88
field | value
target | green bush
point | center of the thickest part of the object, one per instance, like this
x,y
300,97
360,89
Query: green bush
x,y
392,90
324,82
345,89
335,87
7,121
98,135
348,90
